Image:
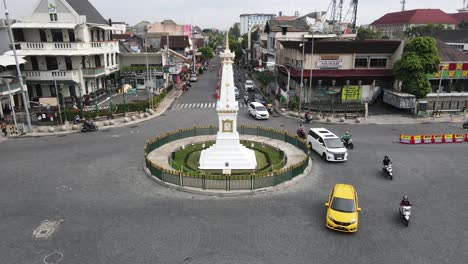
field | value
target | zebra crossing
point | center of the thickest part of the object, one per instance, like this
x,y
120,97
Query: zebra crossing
x,y
202,105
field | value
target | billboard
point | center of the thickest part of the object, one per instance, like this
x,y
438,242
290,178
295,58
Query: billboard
x,y
351,93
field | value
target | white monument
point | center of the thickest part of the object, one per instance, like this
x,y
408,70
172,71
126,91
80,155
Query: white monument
x,y
227,152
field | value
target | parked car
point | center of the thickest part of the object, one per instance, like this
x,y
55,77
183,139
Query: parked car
x,y
259,99
193,77
249,86
342,209
327,145
258,111
236,92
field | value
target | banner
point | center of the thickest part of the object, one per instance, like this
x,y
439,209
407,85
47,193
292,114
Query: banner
x,y
351,93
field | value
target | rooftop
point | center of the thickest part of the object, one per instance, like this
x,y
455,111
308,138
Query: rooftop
x,y
449,54
295,25
175,42
416,16
257,14
453,36
460,17
85,8
372,46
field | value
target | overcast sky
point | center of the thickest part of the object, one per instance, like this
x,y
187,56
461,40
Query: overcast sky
x,y
223,13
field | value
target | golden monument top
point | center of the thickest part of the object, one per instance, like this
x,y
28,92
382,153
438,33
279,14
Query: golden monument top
x,y
227,40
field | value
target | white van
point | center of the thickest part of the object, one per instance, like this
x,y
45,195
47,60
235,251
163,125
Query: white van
x,y
258,111
327,145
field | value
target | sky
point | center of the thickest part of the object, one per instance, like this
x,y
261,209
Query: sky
x,y
222,14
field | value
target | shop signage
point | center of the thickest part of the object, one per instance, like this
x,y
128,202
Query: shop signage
x,y
330,64
171,69
351,93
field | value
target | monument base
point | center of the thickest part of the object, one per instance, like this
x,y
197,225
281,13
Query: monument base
x,y
236,155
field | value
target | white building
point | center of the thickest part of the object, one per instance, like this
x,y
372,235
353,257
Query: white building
x,y
247,21
68,41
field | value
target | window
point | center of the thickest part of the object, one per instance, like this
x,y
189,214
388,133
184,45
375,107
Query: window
x,y
92,35
43,35
38,90
72,90
51,63
34,64
107,59
97,61
71,35
68,63
18,34
53,17
360,63
52,91
83,62
112,59
378,63
57,35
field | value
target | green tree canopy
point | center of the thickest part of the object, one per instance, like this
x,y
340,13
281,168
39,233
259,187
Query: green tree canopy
x,y
367,33
207,53
422,31
234,31
265,78
420,58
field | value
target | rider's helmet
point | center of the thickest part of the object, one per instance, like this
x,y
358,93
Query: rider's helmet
x,y
386,157
405,197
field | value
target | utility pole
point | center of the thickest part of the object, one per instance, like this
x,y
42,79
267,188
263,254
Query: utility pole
x,y
403,2
18,69
302,72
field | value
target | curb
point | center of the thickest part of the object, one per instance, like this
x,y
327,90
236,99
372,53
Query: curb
x,y
234,193
36,135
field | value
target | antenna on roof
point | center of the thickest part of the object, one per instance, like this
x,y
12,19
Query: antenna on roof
x,y
403,2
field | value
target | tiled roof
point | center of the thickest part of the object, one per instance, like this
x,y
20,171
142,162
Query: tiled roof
x,y
449,54
416,16
85,8
452,35
460,17
175,42
370,46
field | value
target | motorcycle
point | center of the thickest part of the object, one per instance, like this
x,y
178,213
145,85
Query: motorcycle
x,y
388,170
465,125
88,127
76,120
269,107
348,144
405,213
300,133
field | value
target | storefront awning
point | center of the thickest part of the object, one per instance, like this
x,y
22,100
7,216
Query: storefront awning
x,y
44,25
6,60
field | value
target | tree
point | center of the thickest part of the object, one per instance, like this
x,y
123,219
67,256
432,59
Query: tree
x,y
234,31
235,47
207,53
367,33
265,78
420,58
422,31
244,41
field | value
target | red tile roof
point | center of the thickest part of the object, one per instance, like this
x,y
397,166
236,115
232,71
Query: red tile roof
x,y
416,16
460,17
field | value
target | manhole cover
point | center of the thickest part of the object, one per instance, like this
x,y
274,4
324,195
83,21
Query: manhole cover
x,y
53,258
46,229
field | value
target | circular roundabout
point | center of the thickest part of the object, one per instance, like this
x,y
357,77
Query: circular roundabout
x,y
173,159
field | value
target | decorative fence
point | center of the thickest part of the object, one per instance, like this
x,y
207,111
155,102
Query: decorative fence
x,y
226,182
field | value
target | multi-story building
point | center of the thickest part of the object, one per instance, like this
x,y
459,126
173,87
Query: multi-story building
x,y
393,25
140,29
247,21
68,42
457,38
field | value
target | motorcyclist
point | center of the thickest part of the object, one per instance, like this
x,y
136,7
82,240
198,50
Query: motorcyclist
x,y
386,161
346,137
301,130
405,201
307,116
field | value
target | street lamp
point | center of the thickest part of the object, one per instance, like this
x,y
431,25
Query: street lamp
x,y
436,108
56,94
7,82
302,71
346,99
18,69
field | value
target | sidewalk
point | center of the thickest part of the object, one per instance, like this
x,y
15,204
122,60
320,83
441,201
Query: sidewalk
x,y
130,119
379,119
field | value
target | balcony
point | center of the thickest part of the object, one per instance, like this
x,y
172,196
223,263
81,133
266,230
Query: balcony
x,y
72,75
67,46
93,72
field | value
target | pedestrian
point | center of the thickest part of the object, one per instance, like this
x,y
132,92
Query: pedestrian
x,y
4,127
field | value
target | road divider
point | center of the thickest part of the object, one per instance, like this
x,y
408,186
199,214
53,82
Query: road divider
x,y
433,139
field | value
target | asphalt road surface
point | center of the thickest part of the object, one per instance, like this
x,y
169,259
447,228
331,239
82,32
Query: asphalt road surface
x,y
113,214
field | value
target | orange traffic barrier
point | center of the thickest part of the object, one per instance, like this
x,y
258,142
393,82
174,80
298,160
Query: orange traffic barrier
x,y
437,139
405,139
448,138
417,139
429,139
459,138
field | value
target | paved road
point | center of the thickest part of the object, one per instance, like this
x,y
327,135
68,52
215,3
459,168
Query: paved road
x,y
114,214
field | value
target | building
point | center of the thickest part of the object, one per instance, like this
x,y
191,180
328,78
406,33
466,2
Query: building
x,y
332,63
120,27
393,25
457,38
4,38
247,21
67,41
8,73
130,41
140,29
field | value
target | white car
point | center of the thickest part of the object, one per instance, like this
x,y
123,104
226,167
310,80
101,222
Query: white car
x,y
236,92
193,78
327,145
249,86
258,111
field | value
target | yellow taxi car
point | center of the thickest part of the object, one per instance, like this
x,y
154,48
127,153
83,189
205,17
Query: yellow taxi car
x,y
342,209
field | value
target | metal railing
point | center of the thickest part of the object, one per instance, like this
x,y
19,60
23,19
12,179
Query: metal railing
x,y
203,180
